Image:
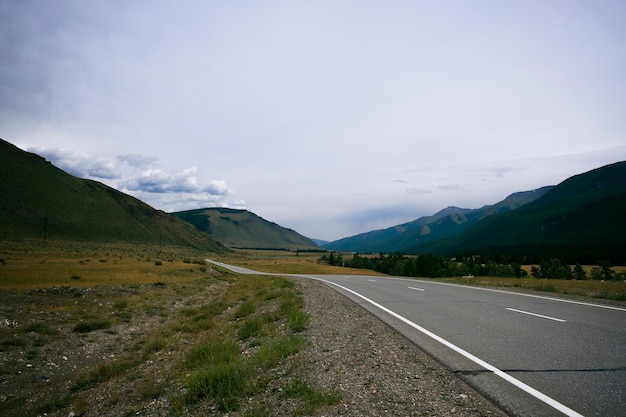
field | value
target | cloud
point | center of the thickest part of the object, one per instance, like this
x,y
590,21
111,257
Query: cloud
x,y
80,165
417,191
449,187
139,176
160,182
498,172
138,161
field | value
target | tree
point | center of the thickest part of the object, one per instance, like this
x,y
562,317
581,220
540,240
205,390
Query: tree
x,y
579,272
596,273
607,270
555,268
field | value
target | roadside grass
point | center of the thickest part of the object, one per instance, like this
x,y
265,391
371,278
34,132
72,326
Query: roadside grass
x,y
209,338
608,290
312,398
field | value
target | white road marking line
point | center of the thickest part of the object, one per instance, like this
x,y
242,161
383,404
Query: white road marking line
x,y
536,315
542,297
519,384
417,289
371,280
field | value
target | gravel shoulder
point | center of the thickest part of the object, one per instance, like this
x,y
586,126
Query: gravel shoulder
x,y
379,372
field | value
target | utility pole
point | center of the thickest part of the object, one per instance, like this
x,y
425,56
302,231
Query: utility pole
x,y
45,229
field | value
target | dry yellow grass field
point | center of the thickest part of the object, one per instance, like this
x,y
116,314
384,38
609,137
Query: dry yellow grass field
x,y
35,265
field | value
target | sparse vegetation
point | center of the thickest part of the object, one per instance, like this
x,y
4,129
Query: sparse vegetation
x,y
188,337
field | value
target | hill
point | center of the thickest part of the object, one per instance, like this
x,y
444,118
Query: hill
x,y
40,201
582,219
449,222
243,229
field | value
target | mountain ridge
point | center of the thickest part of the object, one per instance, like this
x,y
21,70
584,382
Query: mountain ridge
x,y
244,229
581,219
41,201
447,222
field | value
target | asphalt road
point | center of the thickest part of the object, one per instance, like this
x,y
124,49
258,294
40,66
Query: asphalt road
x,y
533,355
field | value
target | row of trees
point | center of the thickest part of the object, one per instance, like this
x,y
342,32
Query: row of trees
x,y
433,266
557,269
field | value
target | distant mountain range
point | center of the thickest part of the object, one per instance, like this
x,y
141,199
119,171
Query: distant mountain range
x,y
581,219
243,229
448,222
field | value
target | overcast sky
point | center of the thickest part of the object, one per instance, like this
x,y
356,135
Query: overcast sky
x,y
328,117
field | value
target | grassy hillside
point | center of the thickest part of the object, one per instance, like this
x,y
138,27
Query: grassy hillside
x,y
449,222
40,201
582,220
243,229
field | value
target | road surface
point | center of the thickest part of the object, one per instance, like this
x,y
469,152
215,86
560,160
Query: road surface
x,y
533,355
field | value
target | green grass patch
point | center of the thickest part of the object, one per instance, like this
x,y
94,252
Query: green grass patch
x,y
212,351
41,328
312,398
251,327
245,309
91,325
270,354
102,373
224,383
298,321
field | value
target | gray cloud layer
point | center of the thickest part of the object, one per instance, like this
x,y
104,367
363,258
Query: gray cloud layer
x,y
312,111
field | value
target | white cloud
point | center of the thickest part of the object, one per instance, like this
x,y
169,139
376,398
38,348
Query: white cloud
x,y
80,165
160,182
218,187
138,161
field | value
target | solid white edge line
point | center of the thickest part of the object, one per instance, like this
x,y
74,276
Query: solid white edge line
x,y
535,314
416,289
519,384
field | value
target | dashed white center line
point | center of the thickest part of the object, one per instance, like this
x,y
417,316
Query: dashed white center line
x,y
536,315
371,280
417,289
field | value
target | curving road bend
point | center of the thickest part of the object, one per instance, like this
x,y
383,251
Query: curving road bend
x,y
532,355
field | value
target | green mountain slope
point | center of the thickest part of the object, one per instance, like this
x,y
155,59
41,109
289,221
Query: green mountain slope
x,y
582,219
40,201
243,229
449,222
